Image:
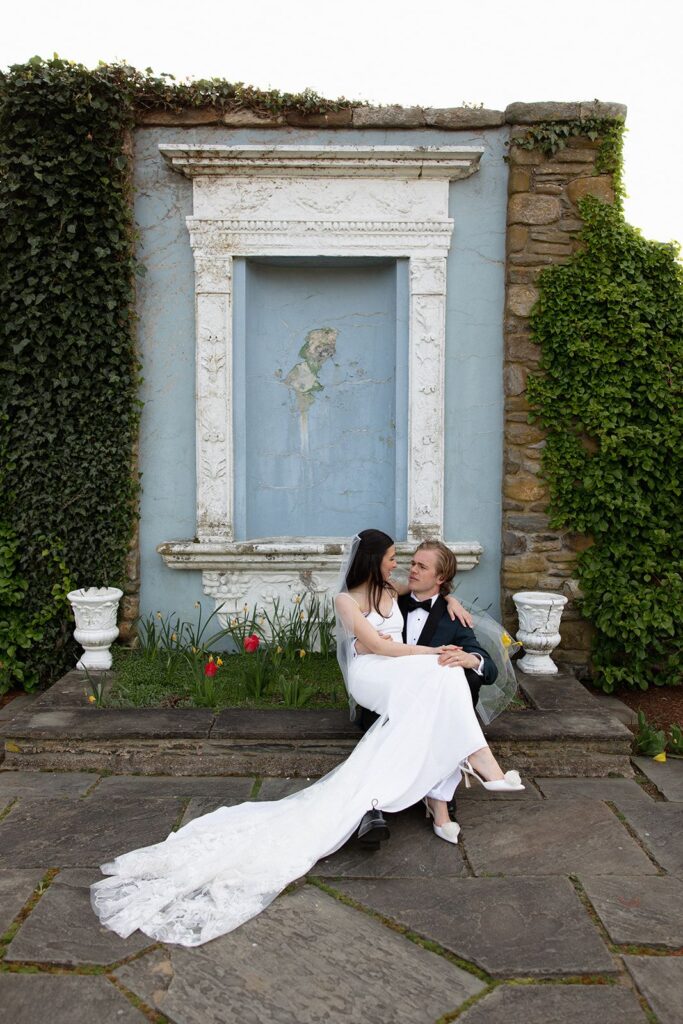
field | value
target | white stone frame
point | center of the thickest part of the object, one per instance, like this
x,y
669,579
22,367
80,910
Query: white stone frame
x,y
341,201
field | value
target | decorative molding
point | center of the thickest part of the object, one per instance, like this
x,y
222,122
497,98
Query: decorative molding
x,y
446,162
257,572
296,201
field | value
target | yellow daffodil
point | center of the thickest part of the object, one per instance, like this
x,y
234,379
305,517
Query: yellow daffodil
x,y
195,651
219,662
211,657
233,622
245,608
278,650
660,757
302,616
174,636
297,599
92,699
506,639
302,653
196,604
159,615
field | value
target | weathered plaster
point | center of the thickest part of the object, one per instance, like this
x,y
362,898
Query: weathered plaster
x,y
473,354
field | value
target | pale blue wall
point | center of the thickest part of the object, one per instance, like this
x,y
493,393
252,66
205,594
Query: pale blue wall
x,y
474,352
317,461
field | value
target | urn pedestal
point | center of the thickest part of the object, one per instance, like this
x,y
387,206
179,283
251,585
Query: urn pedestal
x,y
539,615
95,610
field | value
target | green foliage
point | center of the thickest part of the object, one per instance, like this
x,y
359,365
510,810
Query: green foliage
x,y
610,324
68,408
649,741
552,136
182,682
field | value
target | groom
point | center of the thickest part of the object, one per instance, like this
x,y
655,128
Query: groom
x,y
426,621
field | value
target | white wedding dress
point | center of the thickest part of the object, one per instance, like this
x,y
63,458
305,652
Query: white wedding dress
x,y
225,867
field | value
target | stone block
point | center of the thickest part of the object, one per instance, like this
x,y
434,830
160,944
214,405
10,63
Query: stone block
x,y
83,833
520,348
524,487
528,522
62,929
16,888
523,275
601,186
528,562
517,237
412,852
521,299
515,375
554,173
456,118
250,119
556,1004
513,543
552,248
130,606
302,961
532,259
578,541
524,433
133,787
560,692
524,157
526,208
659,826
602,111
621,791
531,927
567,837
532,113
668,778
544,542
64,999
642,911
547,188
187,118
519,180
330,119
392,116
660,979
47,785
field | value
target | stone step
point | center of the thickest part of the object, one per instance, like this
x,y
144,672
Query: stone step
x,y
564,732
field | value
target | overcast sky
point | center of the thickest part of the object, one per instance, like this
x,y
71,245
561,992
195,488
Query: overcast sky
x,y
425,52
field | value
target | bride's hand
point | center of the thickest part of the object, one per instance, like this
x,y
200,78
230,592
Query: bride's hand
x,y
456,611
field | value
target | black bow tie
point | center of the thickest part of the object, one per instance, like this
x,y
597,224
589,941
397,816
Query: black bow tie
x,y
412,605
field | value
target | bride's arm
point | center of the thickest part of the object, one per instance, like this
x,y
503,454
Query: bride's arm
x,y
455,609
356,623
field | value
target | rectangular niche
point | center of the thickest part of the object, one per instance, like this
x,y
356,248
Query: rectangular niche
x,y
320,396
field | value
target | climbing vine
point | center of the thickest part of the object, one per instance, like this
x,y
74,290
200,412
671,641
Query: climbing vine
x,y
68,403
610,326
552,136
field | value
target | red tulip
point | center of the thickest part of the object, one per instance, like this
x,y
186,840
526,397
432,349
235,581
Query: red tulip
x,y
251,643
210,668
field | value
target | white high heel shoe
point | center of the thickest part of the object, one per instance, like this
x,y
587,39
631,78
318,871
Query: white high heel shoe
x,y
450,831
510,783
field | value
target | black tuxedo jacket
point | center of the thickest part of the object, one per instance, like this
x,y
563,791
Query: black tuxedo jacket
x,y
441,629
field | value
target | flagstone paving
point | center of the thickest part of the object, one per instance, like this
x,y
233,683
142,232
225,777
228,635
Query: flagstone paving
x,y
667,777
660,979
562,883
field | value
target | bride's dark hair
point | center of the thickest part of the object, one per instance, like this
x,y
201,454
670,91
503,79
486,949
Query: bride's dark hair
x,y
366,566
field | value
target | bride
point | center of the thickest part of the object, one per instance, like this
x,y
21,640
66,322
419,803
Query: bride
x,y
223,868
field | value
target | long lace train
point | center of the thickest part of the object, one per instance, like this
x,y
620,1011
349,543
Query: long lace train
x,y
225,867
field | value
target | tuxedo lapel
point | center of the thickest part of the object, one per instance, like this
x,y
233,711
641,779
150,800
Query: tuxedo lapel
x,y
433,619
404,612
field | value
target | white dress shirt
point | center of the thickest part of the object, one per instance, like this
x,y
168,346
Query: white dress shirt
x,y
415,623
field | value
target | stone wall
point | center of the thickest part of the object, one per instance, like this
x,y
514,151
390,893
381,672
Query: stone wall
x,y
542,226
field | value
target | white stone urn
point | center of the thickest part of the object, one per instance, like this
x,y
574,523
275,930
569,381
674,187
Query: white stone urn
x,y
95,610
539,615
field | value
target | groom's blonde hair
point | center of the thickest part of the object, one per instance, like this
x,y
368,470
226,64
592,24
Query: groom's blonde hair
x,y
446,563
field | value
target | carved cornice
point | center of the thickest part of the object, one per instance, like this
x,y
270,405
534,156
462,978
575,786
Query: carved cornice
x,y
285,555
445,162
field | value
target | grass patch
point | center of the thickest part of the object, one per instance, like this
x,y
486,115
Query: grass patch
x,y
167,681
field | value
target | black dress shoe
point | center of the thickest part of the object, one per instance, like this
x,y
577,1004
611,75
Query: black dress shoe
x,y
373,829
452,810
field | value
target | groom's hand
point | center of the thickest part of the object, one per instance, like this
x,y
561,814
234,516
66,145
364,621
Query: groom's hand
x,y
454,657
